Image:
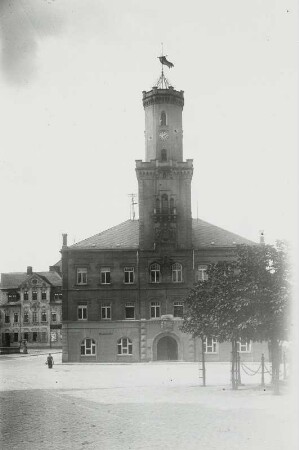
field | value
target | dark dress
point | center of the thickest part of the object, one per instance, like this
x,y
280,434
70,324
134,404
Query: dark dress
x,y
50,362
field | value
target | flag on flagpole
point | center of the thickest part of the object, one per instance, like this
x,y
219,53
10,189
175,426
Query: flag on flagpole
x,y
164,61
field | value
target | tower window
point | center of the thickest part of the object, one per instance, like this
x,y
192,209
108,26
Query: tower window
x,y
163,155
163,118
165,203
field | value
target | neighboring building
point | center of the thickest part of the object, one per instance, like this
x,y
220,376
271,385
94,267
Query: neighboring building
x,y
123,289
30,308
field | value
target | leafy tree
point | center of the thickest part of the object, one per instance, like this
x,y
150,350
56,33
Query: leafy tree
x,y
246,297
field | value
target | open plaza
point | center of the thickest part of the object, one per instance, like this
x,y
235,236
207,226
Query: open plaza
x,y
155,405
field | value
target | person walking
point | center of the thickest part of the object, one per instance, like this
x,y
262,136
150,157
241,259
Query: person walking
x,y
50,361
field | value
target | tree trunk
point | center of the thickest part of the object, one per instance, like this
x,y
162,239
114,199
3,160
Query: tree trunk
x,y
234,366
275,359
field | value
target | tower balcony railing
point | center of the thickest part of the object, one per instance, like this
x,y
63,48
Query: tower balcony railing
x,y
165,215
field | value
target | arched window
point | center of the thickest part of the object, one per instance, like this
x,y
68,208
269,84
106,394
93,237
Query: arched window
x,y
163,155
124,346
163,119
157,205
88,347
165,203
155,274
172,205
177,273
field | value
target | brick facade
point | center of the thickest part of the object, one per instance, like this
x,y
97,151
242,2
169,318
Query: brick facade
x,y
123,289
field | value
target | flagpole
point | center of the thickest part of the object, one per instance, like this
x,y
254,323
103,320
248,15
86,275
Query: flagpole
x,y
162,65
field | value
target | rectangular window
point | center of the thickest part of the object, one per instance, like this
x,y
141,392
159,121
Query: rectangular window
x,y
7,318
106,311
53,316
26,295
202,272
155,310
44,316
34,295
34,336
34,317
244,346
82,275
82,312
105,275
130,310
26,317
26,336
15,337
178,309
210,345
44,295
16,317
129,275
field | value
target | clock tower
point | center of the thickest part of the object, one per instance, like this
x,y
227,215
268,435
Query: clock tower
x,y
164,179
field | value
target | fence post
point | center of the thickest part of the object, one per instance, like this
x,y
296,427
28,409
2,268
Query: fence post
x,y
203,364
284,366
263,370
238,368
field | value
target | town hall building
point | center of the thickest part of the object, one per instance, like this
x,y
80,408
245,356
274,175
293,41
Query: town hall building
x,y
124,288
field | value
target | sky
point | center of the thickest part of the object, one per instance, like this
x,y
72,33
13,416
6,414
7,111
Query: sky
x,y
71,82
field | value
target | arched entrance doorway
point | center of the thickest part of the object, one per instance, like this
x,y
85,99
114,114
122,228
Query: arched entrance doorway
x,y
167,349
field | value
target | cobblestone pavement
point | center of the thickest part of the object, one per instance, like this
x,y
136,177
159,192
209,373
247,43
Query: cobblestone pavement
x,y
133,407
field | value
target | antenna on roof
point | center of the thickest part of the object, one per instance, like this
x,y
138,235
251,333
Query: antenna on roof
x,y
132,206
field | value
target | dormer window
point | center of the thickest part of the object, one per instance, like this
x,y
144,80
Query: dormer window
x,y
163,119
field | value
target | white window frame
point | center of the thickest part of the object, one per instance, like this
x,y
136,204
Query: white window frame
x,y
82,311
106,311
130,306
81,275
155,310
104,274
89,350
129,275
243,346
155,273
177,273
210,345
178,304
124,347
202,272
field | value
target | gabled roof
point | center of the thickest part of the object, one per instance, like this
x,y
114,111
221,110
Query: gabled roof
x,y
14,279
126,235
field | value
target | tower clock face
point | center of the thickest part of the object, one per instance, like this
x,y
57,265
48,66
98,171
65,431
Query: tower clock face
x,y
163,135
